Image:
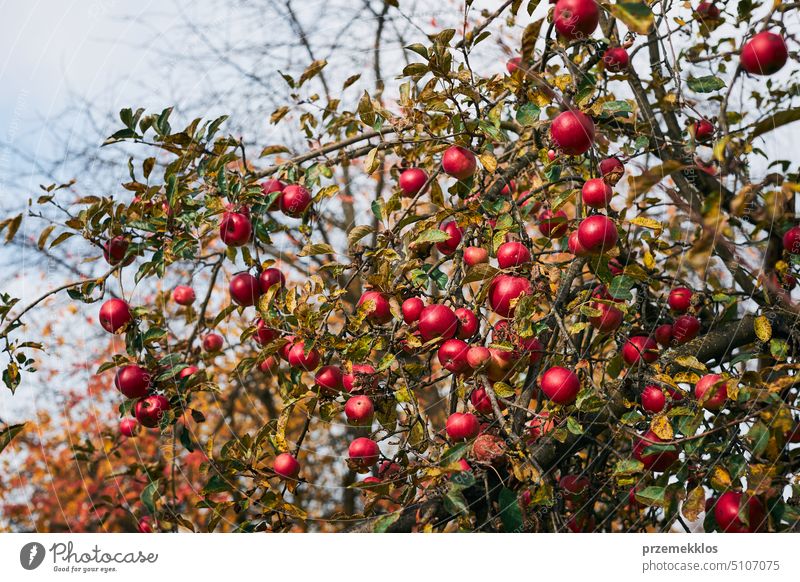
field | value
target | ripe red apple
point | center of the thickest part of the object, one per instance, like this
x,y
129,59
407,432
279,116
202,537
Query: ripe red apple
x,y
265,334
212,342
133,381
412,180
560,385
655,461
462,426
359,410
702,129
283,352
454,233
127,427
467,323
188,371
680,299
270,277
611,169
663,335
411,309
298,358
480,401
705,384
501,365
513,254
268,187
509,188
707,11
149,410
653,399
572,131
764,54
362,377
183,295
245,289
791,241
477,357
597,233
115,249
615,267
475,256
459,162
553,225
381,313
533,347
269,365
596,193
286,466
685,328
145,524
609,320
576,19
616,59
726,513
575,247
329,378
513,64
574,485
452,355
115,314
294,200
640,348
504,289
235,229
364,452
437,321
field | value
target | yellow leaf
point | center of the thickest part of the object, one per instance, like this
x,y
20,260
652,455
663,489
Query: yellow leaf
x,y
642,183
763,328
695,503
662,427
691,362
488,161
720,478
645,222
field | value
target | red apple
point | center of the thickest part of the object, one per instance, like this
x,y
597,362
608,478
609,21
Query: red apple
x,y
149,410
437,321
640,348
504,289
707,11
574,485
459,162
616,59
462,426
245,289
269,365
575,247
663,335
680,299
791,241
286,467
685,328
553,225
513,64
597,233
572,131
452,355
596,193
411,309
653,399
560,385
329,378
454,233
381,313
115,314
115,249
513,254
609,320
183,295
268,187
364,452
467,323
145,524
477,357
509,188
480,401
412,180
212,342
270,277
655,461
726,513
133,381
764,54
533,347
501,365
576,19
283,352
611,169
294,200
127,427
705,385
298,358
362,377
475,256
264,334
235,229
359,410
702,129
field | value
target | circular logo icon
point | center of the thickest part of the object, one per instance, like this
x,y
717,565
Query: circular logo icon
x,y
31,555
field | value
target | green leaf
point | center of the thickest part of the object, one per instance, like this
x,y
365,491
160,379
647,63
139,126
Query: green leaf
x,y
148,496
574,426
621,286
652,495
628,467
528,114
617,107
707,84
432,235
385,521
637,16
510,511
8,433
